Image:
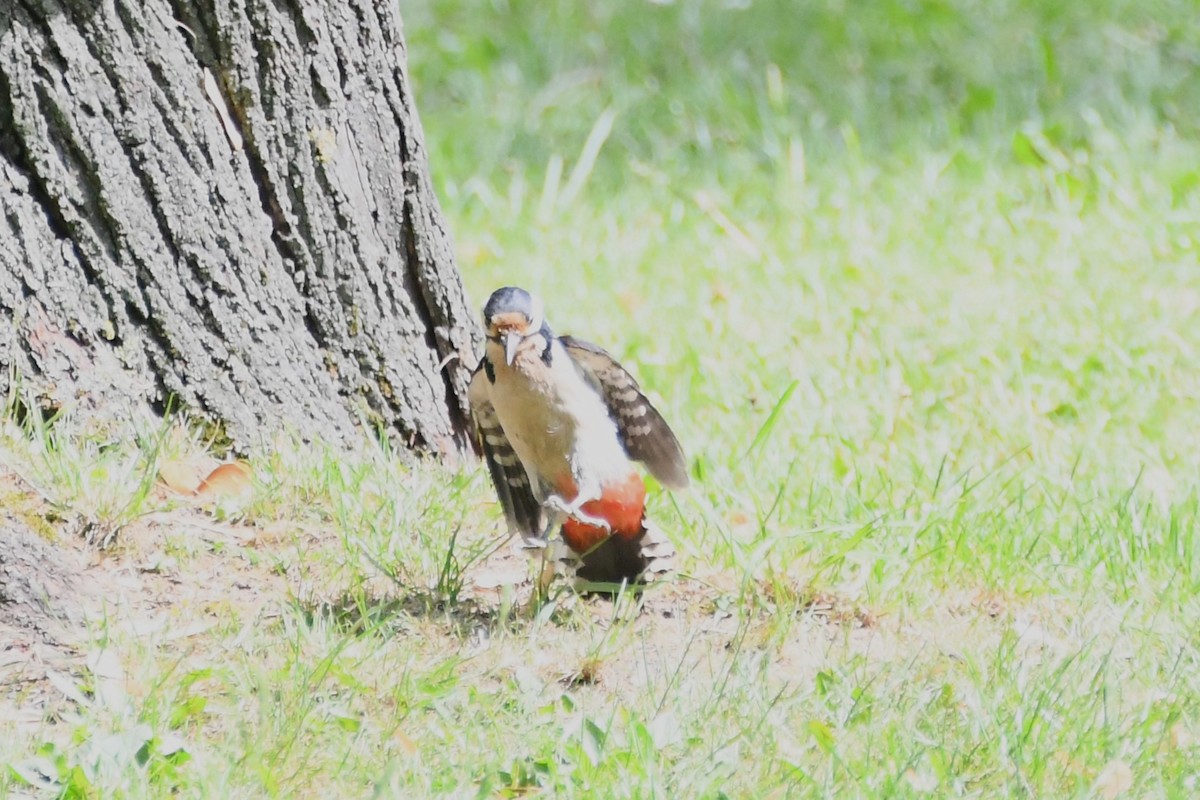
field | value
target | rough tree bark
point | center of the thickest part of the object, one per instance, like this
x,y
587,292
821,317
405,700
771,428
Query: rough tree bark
x,y
226,202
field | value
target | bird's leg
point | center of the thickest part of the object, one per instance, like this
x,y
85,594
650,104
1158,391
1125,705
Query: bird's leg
x,y
553,520
552,559
540,554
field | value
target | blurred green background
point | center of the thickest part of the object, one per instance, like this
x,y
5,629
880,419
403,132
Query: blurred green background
x,y
707,91
889,250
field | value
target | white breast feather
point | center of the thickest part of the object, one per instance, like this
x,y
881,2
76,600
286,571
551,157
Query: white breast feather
x,y
557,423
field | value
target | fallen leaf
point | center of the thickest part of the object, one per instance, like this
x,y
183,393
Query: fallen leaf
x,y
227,480
180,477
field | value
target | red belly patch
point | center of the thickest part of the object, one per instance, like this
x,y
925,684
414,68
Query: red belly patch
x,y
621,505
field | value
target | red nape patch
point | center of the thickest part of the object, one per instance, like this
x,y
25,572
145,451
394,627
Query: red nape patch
x,y
621,505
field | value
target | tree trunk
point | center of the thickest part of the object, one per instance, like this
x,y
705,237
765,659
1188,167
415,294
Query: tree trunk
x,y
226,203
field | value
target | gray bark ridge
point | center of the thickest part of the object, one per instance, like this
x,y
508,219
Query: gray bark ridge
x,y
228,202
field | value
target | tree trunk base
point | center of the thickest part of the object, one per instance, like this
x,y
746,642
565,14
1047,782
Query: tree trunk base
x,y
226,205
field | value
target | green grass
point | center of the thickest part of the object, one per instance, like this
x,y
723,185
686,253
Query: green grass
x,y
915,282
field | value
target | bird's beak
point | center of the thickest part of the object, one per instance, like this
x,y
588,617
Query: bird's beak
x,y
512,340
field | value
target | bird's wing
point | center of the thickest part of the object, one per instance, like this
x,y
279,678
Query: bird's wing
x,y
644,433
521,508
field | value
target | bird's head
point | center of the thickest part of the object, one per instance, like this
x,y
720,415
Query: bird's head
x,y
513,316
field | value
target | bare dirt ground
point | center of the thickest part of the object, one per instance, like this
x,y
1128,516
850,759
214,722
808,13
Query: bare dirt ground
x,y
56,591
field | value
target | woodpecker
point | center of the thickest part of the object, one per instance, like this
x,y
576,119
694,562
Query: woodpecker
x,y
560,423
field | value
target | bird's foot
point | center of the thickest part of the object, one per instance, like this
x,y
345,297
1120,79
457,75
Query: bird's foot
x,y
533,543
574,511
